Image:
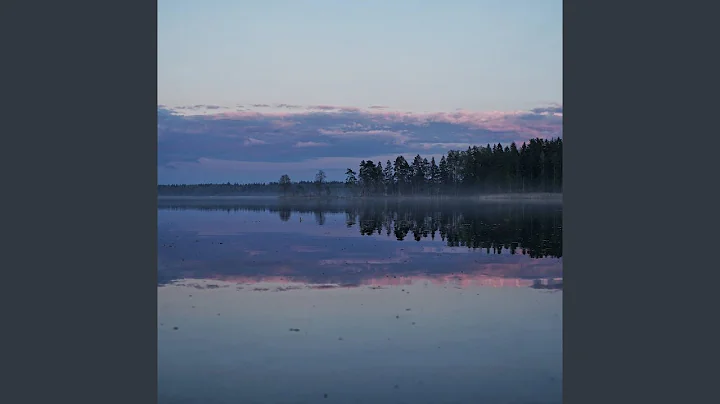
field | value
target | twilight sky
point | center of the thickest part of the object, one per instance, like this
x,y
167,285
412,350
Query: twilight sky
x,y
250,90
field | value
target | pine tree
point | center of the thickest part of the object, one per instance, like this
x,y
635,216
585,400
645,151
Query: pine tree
x,y
388,180
444,173
514,162
403,174
350,181
434,176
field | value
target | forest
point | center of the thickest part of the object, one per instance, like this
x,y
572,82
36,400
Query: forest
x,y
535,166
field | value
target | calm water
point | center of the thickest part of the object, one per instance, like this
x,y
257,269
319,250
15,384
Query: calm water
x,y
265,302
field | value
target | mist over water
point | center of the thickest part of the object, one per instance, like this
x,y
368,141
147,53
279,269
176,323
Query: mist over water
x,y
416,301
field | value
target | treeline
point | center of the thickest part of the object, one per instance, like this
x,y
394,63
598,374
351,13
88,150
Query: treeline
x,y
255,189
533,167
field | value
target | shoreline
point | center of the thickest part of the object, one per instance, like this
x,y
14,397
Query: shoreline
x,y
526,197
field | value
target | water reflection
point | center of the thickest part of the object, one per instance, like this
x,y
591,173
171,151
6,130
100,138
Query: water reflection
x,y
360,244
535,230
368,303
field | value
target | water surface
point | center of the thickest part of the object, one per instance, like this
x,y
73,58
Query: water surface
x,y
264,301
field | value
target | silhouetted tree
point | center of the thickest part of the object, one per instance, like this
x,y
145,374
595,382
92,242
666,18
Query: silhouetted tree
x,y
388,180
285,183
350,180
378,182
403,174
434,178
319,180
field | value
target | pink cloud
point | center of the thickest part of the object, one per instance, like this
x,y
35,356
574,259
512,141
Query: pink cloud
x,y
335,108
496,121
288,106
241,115
310,144
322,107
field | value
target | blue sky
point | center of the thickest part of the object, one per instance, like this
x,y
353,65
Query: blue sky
x,y
420,57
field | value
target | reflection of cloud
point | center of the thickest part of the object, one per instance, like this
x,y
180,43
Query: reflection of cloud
x,y
446,250
461,281
307,249
502,271
253,245
402,257
332,286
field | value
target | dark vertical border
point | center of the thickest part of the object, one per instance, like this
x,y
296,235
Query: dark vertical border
x,y
79,217
638,253
79,208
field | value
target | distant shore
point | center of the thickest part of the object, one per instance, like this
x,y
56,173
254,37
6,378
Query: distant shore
x,y
507,197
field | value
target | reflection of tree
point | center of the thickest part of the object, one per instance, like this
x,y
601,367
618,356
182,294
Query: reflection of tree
x,y
534,230
285,214
349,218
319,217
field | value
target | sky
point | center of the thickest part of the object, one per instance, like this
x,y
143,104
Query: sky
x,y
251,90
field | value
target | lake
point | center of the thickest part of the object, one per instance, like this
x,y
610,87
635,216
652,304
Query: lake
x,y
265,300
